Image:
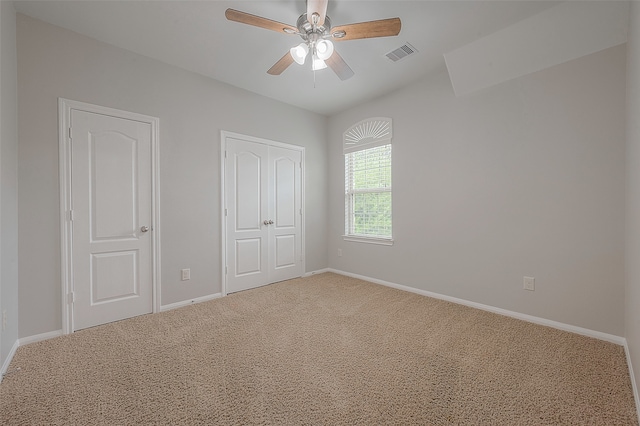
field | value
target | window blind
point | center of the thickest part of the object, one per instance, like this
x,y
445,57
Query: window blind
x,y
367,148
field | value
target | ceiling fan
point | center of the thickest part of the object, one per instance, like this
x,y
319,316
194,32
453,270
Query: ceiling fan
x,y
314,27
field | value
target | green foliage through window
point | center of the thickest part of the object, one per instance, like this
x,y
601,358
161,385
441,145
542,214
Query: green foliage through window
x,y
368,192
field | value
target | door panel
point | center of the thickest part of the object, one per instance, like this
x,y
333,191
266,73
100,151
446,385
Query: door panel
x,y
113,187
246,180
285,251
113,276
248,256
111,200
262,183
248,177
285,200
285,237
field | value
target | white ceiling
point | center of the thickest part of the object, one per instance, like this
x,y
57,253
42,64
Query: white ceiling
x,y
195,35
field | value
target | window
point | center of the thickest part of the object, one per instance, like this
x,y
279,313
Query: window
x,y
367,158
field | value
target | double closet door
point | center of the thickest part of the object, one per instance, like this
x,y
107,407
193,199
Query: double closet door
x,y
263,213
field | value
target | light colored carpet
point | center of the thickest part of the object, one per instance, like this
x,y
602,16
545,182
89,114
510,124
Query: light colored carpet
x,y
321,350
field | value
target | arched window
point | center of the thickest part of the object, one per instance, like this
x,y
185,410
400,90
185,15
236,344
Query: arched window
x,y
367,160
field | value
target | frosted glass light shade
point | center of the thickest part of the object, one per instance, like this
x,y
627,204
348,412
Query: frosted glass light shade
x,y
299,53
324,49
317,64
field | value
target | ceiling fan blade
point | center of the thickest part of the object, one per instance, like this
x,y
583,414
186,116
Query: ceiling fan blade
x,y
319,7
381,28
259,21
281,65
339,66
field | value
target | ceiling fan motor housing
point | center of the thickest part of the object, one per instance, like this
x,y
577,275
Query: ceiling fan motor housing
x,y
306,29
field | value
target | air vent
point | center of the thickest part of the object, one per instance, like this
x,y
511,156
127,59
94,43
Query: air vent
x,y
401,52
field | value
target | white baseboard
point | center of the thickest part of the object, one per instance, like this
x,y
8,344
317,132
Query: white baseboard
x,y
5,365
39,337
319,271
636,396
26,341
201,299
529,318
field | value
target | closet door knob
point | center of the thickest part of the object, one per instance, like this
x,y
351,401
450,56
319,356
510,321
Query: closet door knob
x,y
144,229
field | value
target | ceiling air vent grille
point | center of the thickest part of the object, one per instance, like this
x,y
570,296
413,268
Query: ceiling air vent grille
x,y
401,52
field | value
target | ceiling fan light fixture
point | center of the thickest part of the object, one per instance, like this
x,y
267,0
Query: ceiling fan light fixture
x,y
318,64
324,49
314,27
299,53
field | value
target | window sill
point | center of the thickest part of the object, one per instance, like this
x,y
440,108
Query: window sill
x,y
368,240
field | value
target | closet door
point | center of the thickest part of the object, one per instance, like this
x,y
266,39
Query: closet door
x,y
247,214
263,191
285,211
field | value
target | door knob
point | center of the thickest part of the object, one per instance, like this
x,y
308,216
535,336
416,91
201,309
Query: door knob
x,y
266,222
270,222
144,228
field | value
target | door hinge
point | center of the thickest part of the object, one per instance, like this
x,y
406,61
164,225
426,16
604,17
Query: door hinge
x,y
226,212
226,270
69,132
71,297
225,154
300,212
71,215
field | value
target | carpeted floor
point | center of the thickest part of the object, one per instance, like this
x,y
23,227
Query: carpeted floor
x,y
326,350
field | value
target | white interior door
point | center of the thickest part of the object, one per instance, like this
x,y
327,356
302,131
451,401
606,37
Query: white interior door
x,y
111,207
263,189
247,211
285,211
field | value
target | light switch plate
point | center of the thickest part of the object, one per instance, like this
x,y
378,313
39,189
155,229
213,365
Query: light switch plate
x,y
529,283
186,274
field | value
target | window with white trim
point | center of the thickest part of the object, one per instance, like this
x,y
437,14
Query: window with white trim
x,y
367,159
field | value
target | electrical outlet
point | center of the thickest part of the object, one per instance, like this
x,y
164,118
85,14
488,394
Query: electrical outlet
x,y
339,252
529,283
186,274
4,319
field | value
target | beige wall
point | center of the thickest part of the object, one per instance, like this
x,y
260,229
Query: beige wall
x,y
52,63
526,178
632,263
8,178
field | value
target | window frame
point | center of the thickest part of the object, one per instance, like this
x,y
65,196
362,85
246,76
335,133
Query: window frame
x,y
364,135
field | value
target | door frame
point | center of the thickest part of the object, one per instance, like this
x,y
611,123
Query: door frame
x,y
65,106
223,207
